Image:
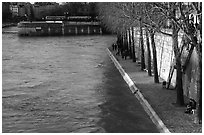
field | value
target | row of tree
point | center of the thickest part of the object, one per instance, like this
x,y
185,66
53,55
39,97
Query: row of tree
x,y
186,18
71,8
67,9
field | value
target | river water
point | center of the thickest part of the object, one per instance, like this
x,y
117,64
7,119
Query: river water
x,y
65,84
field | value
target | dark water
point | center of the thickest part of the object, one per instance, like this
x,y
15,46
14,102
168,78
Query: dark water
x,y
65,84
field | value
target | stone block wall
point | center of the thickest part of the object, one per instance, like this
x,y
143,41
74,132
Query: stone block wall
x,y
165,58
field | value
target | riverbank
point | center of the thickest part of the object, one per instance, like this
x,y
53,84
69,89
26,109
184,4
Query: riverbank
x,y
4,25
160,99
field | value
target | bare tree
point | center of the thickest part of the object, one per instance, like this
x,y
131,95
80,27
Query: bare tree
x,y
134,15
142,46
179,13
154,16
149,67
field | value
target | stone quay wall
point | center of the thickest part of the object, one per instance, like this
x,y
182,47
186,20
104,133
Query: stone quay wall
x,y
165,59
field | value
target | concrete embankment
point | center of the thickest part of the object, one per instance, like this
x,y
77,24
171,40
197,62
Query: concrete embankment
x,y
147,107
47,28
8,25
10,32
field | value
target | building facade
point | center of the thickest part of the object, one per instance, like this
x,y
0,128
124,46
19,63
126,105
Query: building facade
x,y
22,10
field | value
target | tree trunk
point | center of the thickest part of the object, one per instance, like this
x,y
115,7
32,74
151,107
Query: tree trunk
x,y
154,52
130,48
126,42
122,46
118,39
179,81
142,48
119,42
133,46
149,55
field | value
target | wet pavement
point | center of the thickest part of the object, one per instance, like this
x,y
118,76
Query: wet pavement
x,y
66,84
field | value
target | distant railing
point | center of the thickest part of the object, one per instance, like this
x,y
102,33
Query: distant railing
x,y
71,18
55,18
81,23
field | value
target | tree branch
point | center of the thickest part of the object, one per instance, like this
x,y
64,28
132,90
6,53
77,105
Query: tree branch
x,y
167,34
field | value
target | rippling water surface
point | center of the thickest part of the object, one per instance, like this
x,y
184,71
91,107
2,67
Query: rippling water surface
x,y
65,84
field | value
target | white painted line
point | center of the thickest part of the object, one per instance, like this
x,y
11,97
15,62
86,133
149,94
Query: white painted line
x,y
147,107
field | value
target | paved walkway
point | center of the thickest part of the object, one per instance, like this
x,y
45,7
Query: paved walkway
x,y
160,99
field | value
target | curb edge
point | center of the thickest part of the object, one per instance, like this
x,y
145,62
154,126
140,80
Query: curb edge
x,y
147,107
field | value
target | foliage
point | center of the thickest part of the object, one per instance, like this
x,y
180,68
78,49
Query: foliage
x,y
6,13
